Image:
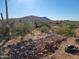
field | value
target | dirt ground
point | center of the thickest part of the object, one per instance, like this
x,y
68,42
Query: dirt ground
x,y
61,54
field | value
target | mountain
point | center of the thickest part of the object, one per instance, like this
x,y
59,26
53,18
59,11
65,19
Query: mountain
x,y
33,19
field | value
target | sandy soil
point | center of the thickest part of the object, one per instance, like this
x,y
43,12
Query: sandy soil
x,y
61,54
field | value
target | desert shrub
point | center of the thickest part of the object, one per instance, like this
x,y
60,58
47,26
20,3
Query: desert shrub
x,y
69,32
24,28
44,29
66,29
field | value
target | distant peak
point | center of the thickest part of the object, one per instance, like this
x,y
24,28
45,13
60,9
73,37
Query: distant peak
x,y
32,17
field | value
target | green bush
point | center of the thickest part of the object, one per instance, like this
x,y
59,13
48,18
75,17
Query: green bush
x,y
44,29
24,28
64,29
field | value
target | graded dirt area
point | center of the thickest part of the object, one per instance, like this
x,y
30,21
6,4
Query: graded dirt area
x,y
61,54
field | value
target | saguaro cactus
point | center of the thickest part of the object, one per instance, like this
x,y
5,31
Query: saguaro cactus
x,y
6,6
7,27
1,16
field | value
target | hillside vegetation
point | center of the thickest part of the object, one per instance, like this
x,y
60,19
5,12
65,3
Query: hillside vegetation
x,y
34,37
25,25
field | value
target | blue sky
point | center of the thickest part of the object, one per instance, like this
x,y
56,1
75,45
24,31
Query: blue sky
x,y
53,9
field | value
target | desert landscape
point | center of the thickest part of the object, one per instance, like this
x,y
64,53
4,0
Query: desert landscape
x,y
47,39
52,34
